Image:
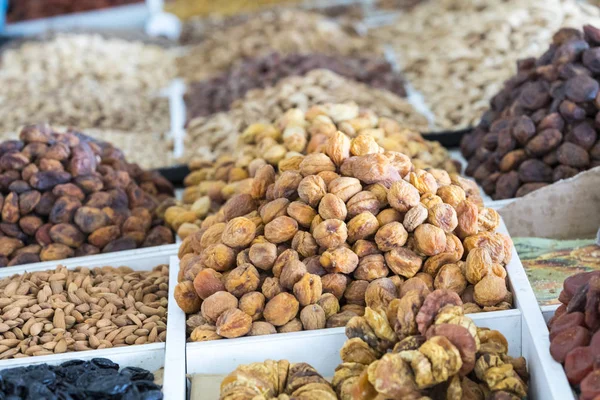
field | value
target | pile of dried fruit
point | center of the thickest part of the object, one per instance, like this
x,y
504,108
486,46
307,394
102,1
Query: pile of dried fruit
x,y
575,333
218,134
57,311
65,195
307,247
283,31
281,144
86,81
458,52
217,94
276,380
541,127
98,378
423,345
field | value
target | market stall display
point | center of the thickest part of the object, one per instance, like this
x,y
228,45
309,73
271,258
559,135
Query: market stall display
x,y
574,333
88,81
307,247
283,31
217,94
66,195
457,53
541,125
23,10
216,135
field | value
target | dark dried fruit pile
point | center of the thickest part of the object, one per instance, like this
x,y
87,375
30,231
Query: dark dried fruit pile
x,y
575,333
542,126
24,10
65,195
77,379
217,94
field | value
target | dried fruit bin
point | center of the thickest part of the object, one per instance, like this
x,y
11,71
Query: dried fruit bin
x,y
149,356
523,327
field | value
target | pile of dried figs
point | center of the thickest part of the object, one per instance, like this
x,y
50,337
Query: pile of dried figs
x,y
575,333
306,241
541,127
65,195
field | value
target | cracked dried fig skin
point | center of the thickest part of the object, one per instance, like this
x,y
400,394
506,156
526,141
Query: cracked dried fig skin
x,y
312,189
363,226
339,260
402,196
281,229
214,305
253,304
242,280
281,309
233,323
187,298
330,233
332,207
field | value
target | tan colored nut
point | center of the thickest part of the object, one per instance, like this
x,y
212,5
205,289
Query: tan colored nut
x,y
314,163
490,290
233,323
215,305
429,239
281,309
329,303
452,194
208,282
263,255
478,265
362,226
305,244
340,259
443,216
186,297
218,257
344,187
312,189
253,304
241,280
389,215
239,232
301,212
450,277
308,289
364,201
403,262
274,209
332,207
260,328
331,233
313,317
402,196
390,236
281,229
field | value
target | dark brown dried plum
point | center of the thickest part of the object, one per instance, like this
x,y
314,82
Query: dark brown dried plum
x,y
507,185
581,88
45,180
89,183
535,95
64,210
535,171
563,172
572,155
120,245
523,129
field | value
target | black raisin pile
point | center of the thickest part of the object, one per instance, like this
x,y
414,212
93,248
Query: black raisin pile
x,y
98,379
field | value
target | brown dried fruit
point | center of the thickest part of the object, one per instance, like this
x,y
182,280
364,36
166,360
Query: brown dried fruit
x,y
329,303
391,236
291,273
308,290
312,189
67,234
450,277
344,187
208,282
335,284
241,280
331,233
233,323
253,304
260,328
219,302
490,290
313,317
218,257
239,232
444,217
273,209
362,226
478,265
403,262
186,297
271,287
56,251
402,196
332,207
355,292
263,255
281,309
371,267
305,244
281,229
340,259
431,306
295,325
429,239
364,201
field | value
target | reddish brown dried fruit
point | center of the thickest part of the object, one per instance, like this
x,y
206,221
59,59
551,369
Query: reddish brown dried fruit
x,y
462,339
186,297
253,304
403,261
567,340
432,304
208,282
233,323
281,309
214,305
565,322
67,234
579,362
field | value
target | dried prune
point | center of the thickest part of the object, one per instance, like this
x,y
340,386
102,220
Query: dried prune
x,y
567,340
578,363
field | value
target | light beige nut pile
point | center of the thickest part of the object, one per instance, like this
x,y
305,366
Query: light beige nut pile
x,y
283,31
58,311
86,81
458,53
208,137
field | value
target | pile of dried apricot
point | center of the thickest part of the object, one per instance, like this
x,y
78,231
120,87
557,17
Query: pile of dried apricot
x,y
575,333
309,243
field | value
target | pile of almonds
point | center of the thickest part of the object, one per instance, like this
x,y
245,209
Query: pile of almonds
x,y
61,310
542,126
343,225
283,31
65,195
218,134
209,184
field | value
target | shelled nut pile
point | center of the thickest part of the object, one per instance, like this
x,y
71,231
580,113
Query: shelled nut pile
x,y
61,310
276,380
575,333
86,81
209,185
309,246
217,94
457,53
433,350
218,134
284,31
541,126
65,195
